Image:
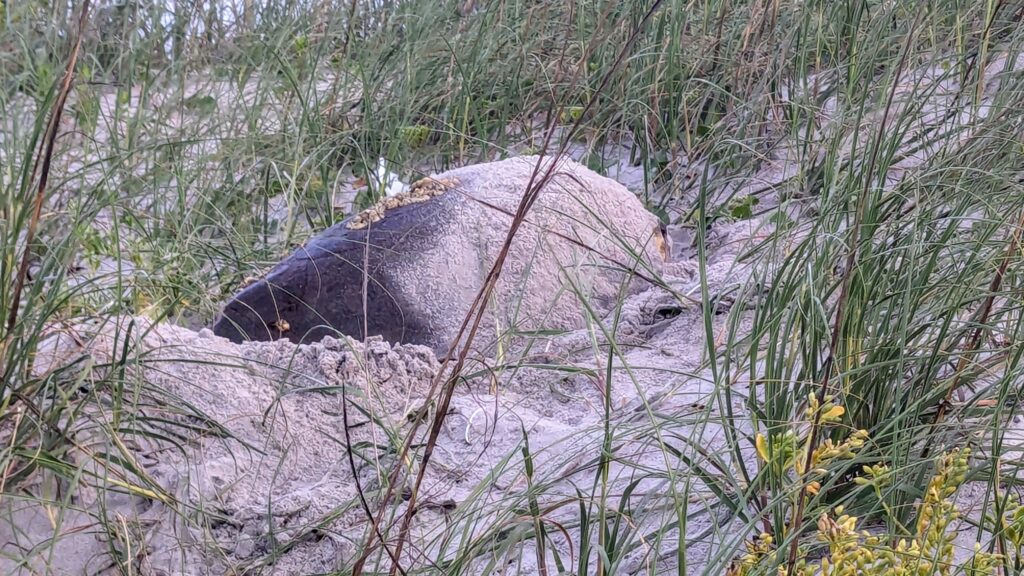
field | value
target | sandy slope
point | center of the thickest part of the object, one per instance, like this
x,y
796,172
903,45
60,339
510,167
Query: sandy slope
x,y
283,476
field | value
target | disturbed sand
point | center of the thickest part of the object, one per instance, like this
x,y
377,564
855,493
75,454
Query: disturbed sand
x,y
266,463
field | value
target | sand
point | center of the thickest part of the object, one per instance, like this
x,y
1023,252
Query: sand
x,y
260,461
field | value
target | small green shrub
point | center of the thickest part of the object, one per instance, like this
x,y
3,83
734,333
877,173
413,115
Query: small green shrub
x,y
415,136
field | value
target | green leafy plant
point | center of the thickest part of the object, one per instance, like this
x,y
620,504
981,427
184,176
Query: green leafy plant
x,y
415,136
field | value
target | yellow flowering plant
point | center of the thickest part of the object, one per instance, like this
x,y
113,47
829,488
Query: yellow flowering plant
x,y
783,452
928,550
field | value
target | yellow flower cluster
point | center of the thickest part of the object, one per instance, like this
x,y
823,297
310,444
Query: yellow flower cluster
x,y
830,412
928,552
1013,522
781,450
757,550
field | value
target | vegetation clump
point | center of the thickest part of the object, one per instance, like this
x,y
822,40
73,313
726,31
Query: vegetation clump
x,y
929,549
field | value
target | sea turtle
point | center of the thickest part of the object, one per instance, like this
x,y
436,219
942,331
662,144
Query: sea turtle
x,y
409,268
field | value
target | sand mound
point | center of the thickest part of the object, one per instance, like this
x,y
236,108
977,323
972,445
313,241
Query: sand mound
x,y
252,457
257,422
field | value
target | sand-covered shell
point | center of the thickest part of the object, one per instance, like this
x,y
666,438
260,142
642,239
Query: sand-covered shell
x,y
410,267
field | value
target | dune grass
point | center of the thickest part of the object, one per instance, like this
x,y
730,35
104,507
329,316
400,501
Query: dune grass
x,y
203,141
